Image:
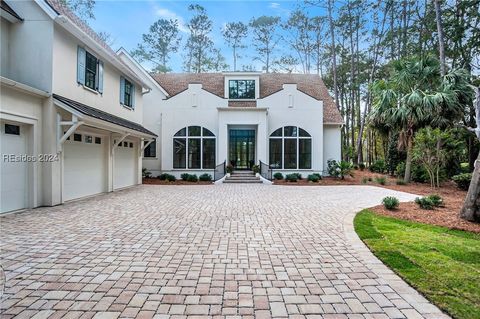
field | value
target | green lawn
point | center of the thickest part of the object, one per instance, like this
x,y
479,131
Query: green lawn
x,y
442,264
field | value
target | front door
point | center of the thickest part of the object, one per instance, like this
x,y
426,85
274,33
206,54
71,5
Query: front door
x,y
242,148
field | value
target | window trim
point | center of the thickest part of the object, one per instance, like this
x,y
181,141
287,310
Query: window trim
x,y
297,138
152,143
128,83
187,137
87,70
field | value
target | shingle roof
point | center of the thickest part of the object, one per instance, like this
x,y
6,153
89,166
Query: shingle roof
x,y
61,8
270,83
5,7
96,113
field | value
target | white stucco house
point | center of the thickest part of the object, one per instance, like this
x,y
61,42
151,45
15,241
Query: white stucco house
x,y
71,111
287,121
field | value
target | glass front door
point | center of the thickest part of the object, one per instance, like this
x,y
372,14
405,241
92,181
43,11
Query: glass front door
x,y
242,148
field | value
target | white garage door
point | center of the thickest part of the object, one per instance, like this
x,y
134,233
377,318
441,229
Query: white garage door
x,y
14,172
125,165
85,166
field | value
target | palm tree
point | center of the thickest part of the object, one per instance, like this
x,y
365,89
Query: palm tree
x,y
416,96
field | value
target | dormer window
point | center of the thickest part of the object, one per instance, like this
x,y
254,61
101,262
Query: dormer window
x,y
241,89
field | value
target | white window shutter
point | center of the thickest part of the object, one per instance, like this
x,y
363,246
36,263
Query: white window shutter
x,y
100,77
122,90
133,95
81,56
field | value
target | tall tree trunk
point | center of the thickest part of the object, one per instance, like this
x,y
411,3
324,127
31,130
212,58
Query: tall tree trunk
x,y
408,161
334,54
471,207
234,59
441,43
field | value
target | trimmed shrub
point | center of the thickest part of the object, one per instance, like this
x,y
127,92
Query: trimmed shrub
x,y
278,176
167,177
364,180
299,176
390,202
318,175
361,166
291,177
192,178
378,166
184,176
146,173
462,180
205,177
424,203
436,200
382,180
332,167
256,169
313,178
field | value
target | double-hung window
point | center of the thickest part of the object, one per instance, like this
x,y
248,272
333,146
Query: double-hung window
x,y
127,93
89,70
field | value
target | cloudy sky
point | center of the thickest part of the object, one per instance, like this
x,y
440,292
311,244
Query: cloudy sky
x,y
126,21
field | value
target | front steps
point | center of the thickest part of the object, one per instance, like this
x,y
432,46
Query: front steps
x,y
242,177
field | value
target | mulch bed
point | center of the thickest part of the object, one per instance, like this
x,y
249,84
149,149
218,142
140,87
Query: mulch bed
x,y
446,216
156,181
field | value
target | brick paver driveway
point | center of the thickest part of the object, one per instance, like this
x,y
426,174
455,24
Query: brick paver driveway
x,y
202,251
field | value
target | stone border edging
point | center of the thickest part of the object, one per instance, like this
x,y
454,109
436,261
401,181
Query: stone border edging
x,y
414,298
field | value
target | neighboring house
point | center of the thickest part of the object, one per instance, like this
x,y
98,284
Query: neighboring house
x,y
288,121
70,103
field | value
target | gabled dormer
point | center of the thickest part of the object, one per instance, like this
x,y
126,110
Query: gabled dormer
x,y
242,86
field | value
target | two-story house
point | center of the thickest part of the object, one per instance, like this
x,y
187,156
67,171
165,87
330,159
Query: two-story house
x,y
287,121
71,110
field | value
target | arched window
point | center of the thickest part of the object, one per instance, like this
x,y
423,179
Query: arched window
x,y
194,148
290,148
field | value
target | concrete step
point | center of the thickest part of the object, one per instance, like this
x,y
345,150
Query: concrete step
x,y
242,181
243,173
242,177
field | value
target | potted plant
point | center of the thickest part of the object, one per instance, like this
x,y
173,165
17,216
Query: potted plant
x,y
256,169
229,170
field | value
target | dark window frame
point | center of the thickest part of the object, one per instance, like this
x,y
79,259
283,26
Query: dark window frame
x,y
151,150
241,89
128,93
200,159
91,71
296,134
12,129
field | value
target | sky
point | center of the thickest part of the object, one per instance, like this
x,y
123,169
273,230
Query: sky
x,y
126,21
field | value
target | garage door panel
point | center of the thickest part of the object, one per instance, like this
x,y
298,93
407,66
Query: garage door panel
x,y
125,166
14,190
85,169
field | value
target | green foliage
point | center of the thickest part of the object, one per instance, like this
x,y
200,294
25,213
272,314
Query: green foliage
x,y
424,203
364,180
313,178
184,176
361,166
166,177
229,168
234,33
378,166
394,156
205,177
278,176
390,202
158,44
382,180
419,174
256,169
465,168
400,182
192,178
265,39
146,173
463,180
436,200
292,177
332,167
435,260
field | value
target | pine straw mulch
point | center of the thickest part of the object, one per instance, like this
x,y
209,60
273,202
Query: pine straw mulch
x,y
446,216
156,181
